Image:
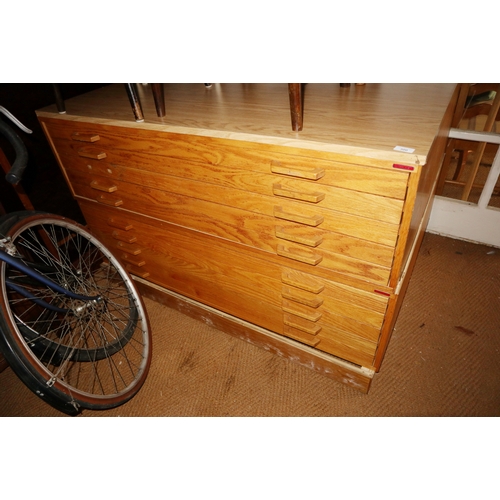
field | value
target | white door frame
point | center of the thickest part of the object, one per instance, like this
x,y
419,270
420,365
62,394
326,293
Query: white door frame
x,y
468,221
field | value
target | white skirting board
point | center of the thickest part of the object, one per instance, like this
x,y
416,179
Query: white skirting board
x,y
465,221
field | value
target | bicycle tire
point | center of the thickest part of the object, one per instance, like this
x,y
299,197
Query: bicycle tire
x,y
97,358
43,346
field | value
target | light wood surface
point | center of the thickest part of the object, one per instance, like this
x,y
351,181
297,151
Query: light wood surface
x,y
311,236
368,120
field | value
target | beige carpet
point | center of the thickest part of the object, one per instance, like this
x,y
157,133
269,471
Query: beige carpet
x,y
443,359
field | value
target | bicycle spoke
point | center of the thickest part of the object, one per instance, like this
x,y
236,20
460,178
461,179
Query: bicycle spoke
x,y
97,351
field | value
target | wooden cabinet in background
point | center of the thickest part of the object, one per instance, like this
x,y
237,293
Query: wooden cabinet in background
x,y
296,245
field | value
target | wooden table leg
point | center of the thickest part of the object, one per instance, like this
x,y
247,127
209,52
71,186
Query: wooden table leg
x,y
295,94
134,102
159,97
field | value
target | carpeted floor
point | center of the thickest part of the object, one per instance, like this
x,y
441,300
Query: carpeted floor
x,y
443,359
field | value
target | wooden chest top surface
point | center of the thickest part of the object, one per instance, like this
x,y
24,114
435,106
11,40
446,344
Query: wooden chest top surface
x,y
369,120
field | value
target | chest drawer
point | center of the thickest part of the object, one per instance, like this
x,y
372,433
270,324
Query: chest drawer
x,y
340,242
334,317
368,217
207,269
280,186
285,205
222,159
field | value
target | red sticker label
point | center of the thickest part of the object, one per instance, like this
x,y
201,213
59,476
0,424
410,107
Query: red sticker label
x,y
402,167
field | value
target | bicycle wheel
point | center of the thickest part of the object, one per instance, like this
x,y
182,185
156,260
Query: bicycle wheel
x,y
35,331
75,354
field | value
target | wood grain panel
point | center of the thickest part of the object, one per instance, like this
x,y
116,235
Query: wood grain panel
x,y
178,152
367,121
201,268
325,364
250,228
245,185
304,235
219,276
353,348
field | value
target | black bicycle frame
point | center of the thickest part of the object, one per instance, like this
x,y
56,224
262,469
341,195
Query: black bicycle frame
x,y
14,176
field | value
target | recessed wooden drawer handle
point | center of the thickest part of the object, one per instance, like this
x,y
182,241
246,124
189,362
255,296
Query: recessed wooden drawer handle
x,y
300,336
301,297
311,174
304,326
302,255
112,202
137,271
313,220
76,136
95,154
131,259
304,312
316,197
132,250
119,224
302,281
100,187
304,239
126,237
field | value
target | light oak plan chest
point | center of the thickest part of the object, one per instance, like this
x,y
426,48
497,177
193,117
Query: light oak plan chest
x,y
302,243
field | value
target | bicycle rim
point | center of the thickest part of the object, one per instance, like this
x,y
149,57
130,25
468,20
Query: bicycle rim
x,y
97,354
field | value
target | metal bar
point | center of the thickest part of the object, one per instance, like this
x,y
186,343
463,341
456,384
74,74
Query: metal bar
x,y
22,291
134,102
20,266
61,108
